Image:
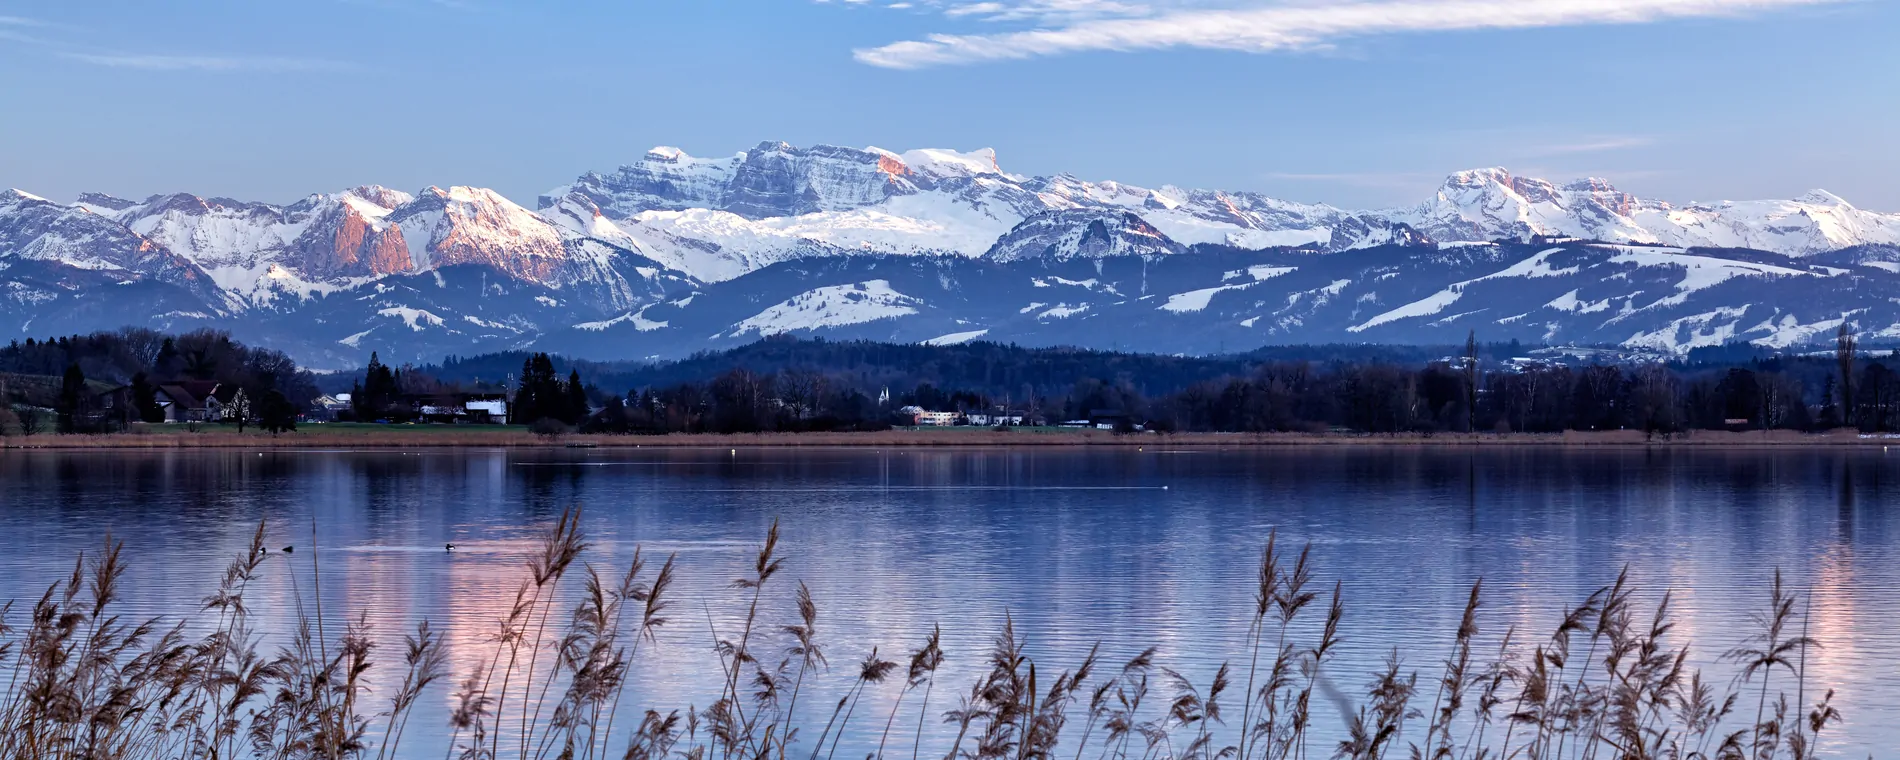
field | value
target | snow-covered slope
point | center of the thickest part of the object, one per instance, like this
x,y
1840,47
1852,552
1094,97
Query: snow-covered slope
x,y
1489,204
262,254
672,252
719,218
1082,233
36,229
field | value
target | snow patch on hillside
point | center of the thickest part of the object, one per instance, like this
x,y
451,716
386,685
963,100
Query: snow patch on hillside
x,y
1535,266
1699,272
637,319
832,306
1711,328
414,319
956,337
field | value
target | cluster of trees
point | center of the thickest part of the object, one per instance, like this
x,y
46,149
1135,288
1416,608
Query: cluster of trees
x,y
1467,392
992,368
107,380
541,394
394,394
743,401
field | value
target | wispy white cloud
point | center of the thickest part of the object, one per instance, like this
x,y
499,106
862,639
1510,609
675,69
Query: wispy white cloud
x,y
267,64
58,45
1037,12
10,27
1048,11
1267,28
1593,145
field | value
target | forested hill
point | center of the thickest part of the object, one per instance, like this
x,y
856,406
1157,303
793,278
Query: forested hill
x,y
978,366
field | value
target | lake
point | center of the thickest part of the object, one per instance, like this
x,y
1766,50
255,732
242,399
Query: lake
x,y
1129,548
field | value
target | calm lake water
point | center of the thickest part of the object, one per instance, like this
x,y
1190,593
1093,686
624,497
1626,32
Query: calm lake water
x,y
1129,548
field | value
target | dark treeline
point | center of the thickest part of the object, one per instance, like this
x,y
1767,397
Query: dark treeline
x,y
1466,392
991,368
107,380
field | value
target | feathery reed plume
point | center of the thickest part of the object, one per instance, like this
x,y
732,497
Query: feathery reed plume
x,y
425,659
737,654
1771,647
1130,690
561,544
1452,685
923,663
653,604
1267,590
805,648
86,684
871,671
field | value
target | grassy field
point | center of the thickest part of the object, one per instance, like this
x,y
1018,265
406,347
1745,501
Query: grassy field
x,y
363,435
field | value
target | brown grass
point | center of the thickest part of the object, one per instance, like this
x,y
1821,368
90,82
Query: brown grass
x,y
442,436
1610,682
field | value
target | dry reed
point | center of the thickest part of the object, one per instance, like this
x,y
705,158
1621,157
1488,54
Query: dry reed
x,y
1607,683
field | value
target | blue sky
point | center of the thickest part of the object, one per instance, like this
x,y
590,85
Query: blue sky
x,y
1359,104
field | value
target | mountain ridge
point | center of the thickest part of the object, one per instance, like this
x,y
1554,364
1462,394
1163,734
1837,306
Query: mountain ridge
x,y
673,252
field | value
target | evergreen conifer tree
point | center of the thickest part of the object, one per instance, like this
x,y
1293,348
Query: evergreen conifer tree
x,y
72,393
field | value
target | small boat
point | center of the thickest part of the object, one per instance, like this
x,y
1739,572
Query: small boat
x,y
583,445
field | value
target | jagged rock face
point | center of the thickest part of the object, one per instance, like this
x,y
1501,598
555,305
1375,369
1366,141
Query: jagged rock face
x,y
1353,232
1491,204
33,228
776,179
1082,234
464,226
266,254
342,242
213,232
101,203
666,178
462,268
772,179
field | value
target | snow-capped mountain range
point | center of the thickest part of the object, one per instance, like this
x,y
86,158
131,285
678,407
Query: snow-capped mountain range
x,y
675,253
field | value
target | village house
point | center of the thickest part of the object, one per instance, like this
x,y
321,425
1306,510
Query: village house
x,y
326,408
194,400
925,418
464,408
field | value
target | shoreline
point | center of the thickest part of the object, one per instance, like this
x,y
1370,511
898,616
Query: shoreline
x,y
449,437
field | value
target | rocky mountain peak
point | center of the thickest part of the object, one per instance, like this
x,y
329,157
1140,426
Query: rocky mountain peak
x,y
1084,233
379,195
1819,197
16,195
104,202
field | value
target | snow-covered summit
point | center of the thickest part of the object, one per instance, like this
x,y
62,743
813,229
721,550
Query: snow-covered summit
x,y
16,195
1083,233
1488,204
635,244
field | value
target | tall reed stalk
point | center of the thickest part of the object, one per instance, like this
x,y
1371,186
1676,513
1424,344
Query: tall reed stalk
x,y
84,683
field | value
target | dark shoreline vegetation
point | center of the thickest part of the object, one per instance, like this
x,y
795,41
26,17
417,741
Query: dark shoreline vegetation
x,y
125,381
1610,681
